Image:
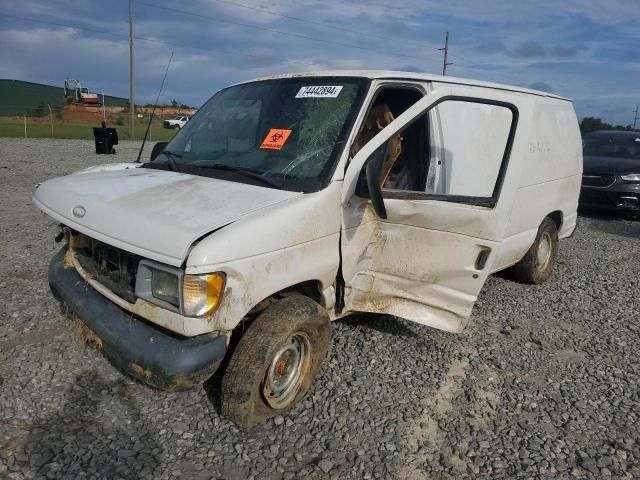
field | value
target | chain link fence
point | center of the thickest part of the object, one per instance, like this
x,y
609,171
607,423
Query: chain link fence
x,y
44,120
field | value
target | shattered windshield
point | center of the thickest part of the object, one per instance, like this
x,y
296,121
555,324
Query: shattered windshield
x,y
289,132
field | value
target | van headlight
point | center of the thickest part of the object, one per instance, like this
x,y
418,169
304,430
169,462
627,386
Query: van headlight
x,y
165,286
201,294
171,288
631,177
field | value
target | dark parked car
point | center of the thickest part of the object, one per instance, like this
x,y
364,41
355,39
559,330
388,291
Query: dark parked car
x,y
611,176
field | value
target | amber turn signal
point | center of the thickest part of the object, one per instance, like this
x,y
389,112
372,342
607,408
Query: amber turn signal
x,y
201,294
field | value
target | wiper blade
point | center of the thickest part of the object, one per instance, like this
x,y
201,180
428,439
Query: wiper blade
x,y
171,159
246,172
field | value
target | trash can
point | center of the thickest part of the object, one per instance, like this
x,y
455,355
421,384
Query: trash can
x,y
105,139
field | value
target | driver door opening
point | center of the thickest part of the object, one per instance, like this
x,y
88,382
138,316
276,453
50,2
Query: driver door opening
x,y
406,168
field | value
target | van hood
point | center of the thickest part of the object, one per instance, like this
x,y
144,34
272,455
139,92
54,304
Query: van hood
x,y
612,165
153,213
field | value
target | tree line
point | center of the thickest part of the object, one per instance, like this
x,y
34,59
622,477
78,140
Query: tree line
x,y
174,104
591,124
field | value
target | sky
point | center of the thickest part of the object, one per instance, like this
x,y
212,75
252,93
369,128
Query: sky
x,y
583,49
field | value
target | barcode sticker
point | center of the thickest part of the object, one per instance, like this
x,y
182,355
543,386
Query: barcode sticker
x,y
319,91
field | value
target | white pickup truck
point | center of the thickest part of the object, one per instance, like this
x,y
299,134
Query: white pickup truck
x,y
176,122
292,201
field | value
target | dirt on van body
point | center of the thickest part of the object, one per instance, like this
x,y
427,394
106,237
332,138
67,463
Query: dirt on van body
x,y
543,383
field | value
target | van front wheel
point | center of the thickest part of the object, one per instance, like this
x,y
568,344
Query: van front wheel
x,y
537,264
275,361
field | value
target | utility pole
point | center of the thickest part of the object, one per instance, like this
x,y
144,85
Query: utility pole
x,y
132,105
635,120
446,55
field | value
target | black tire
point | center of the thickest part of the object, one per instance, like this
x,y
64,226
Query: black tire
x,y
295,323
531,269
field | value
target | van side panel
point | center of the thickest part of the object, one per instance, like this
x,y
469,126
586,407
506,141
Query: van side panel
x,y
550,178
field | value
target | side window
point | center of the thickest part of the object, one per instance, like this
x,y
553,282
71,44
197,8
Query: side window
x,y
456,148
468,142
389,103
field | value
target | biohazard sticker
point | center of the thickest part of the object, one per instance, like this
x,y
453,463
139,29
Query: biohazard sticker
x,y
319,91
275,139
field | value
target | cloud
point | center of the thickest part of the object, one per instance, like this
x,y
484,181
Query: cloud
x,y
545,87
528,49
491,46
611,12
561,51
583,48
532,49
412,68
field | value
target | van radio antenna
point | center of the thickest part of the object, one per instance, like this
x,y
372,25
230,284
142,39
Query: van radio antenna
x,y
146,134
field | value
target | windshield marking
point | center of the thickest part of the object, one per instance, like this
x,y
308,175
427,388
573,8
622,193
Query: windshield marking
x,y
275,139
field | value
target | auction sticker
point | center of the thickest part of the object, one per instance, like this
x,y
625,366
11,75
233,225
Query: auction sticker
x,y
319,91
275,139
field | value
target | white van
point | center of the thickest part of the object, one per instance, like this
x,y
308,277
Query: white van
x,y
291,201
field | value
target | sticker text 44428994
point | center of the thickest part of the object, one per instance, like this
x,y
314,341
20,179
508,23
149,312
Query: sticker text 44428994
x,y
319,91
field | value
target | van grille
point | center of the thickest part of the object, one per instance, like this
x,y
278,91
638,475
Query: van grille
x,y
112,267
595,180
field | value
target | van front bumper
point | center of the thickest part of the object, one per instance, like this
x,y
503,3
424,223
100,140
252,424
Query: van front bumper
x,y
619,197
147,353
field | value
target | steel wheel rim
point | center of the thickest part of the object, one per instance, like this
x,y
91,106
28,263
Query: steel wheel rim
x,y
287,370
543,252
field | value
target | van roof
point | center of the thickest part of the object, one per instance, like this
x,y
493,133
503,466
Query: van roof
x,y
614,133
399,75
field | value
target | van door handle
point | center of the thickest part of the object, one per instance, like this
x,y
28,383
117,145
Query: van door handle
x,y
483,256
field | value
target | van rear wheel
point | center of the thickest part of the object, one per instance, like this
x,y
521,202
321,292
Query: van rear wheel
x,y
537,264
275,361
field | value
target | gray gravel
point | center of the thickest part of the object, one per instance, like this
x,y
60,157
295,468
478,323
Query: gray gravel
x,y
542,384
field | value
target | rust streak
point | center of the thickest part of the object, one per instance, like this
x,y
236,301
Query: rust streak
x,y
84,334
68,259
141,370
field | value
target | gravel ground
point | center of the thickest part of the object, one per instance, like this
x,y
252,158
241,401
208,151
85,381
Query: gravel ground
x,y
542,384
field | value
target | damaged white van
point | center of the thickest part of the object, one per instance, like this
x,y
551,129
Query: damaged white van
x,y
291,201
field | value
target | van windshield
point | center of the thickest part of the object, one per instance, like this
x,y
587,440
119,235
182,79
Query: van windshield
x,y
627,146
278,133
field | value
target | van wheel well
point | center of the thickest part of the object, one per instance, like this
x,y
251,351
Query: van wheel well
x,y
557,218
311,289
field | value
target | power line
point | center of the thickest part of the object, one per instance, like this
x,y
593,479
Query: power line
x,y
181,45
163,42
465,60
235,52
312,22
279,32
509,76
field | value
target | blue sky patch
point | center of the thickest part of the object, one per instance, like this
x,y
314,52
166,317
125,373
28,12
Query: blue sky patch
x,y
582,49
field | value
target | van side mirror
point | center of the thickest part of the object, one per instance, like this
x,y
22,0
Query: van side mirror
x,y
157,149
368,185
